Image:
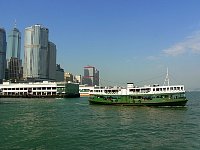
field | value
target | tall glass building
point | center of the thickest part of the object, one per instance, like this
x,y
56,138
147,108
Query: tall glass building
x,y
14,44
2,54
36,53
13,54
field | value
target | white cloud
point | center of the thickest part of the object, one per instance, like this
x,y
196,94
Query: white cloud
x,y
190,44
152,58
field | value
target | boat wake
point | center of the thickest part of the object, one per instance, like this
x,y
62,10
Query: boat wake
x,y
81,104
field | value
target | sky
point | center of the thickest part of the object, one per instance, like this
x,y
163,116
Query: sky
x,y
126,40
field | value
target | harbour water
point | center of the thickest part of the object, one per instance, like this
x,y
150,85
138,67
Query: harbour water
x,y
73,124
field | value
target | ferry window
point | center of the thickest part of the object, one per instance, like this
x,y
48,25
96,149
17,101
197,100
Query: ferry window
x,y
137,90
164,89
9,88
181,88
5,88
174,88
25,88
157,89
160,89
48,88
171,88
167,89
53,88
44,88
38,88
34,88
13,88
17,88
21,88
153,89
178,88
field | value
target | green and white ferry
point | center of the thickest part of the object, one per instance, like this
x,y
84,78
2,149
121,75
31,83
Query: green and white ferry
x,y
155,95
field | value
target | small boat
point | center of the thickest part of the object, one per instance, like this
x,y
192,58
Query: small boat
x,y
154,95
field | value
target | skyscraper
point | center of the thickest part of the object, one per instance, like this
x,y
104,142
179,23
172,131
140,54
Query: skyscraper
x,y
14,44
2,54
36,53
91,76
13,54
51,61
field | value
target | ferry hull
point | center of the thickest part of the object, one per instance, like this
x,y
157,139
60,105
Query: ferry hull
x,y
167,103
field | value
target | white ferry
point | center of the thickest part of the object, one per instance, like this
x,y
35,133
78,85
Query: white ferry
x,y
140,96
166,95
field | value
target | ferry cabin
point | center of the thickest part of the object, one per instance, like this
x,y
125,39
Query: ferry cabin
x,y
176,90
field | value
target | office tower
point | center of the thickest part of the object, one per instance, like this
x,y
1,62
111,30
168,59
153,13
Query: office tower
x,y
14,44
78,79
14,69
51,61
96,77
91,76
36,53
13,54
59,73
2,54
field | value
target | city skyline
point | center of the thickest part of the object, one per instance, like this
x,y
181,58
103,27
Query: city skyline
x,y
128,41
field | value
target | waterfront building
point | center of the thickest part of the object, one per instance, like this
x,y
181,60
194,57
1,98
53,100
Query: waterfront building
x,y
39,89
13,55
68,77
2,54
91,76
51,61
36,53
59,73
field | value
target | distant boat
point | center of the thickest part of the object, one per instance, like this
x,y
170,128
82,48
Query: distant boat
x,y
155,95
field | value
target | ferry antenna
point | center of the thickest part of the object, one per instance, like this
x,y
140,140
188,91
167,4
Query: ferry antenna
x,y
166,79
